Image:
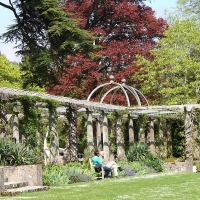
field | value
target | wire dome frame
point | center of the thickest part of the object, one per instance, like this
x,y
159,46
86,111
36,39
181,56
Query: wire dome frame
x,y
117,86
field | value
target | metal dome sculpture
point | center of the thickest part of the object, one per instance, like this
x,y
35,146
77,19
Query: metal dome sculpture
x,y
116,86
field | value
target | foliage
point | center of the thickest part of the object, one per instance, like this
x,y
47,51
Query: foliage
x,y
171,76
178,138
45,35
82,133
76,176
54,175
135,166
123,29
137,152
197,166
154,162
170,159
17,154
189,8
9,75
31,121
140,152
196,122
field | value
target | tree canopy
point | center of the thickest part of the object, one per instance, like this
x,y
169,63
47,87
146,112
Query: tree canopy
x,y
9,75
189,8
46,35
172,75
123,30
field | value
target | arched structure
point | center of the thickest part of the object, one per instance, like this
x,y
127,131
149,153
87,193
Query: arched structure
x,y
114,88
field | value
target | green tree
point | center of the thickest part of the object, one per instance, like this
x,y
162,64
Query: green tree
x,y
172,75
47,35
189,8
9,75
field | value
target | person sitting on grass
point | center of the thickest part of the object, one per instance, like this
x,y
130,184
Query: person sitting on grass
x,y
97,163
111,164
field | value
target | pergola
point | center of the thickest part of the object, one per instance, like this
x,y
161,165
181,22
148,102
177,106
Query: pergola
x,y
96,109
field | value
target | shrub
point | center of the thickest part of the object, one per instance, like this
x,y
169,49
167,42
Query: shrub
x,y
140,152
136,167
170,159
73,172
53,175
137,153
16,154
154,162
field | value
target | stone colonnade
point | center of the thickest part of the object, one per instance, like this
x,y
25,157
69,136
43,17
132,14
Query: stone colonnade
x,y
51,153
102,134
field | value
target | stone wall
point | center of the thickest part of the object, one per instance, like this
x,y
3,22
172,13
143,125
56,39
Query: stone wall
x,y
1,180
30,173
178,166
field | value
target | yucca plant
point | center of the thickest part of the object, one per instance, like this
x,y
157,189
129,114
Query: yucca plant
x,y
137,152
16,154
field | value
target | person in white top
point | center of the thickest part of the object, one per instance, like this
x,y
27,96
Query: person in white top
x,y
111,164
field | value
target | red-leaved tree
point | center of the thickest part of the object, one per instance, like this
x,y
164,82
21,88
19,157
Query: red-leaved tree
x,y
123,29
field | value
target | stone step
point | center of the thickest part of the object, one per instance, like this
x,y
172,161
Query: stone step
x,y
14,191
10,185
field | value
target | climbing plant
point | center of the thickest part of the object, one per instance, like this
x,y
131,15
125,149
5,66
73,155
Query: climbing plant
x,y
178,137
31,121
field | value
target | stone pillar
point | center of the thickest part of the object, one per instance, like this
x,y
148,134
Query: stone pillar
x,y
54,144
2,187
150,135
188,134
98,133
120,139
131,132
141,133
16,128
105,137
90,137
72,148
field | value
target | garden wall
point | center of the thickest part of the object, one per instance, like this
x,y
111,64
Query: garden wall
x,y
186,166
30,173
1,180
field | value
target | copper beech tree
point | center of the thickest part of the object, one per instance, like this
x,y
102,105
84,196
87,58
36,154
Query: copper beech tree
x,y
122,29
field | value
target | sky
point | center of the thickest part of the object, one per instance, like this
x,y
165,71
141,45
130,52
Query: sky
x,y
7,18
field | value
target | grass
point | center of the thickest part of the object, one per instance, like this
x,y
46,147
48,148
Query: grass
x,y
170,186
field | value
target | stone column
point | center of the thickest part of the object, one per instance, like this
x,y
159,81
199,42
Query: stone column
x,y
72,148
54,143
120,139
16,128
105,137
131,132
141,134
150,135
90,136
188,133
168,138
2,187
98,133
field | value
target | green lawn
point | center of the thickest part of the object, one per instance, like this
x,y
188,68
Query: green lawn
x,y
172,186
